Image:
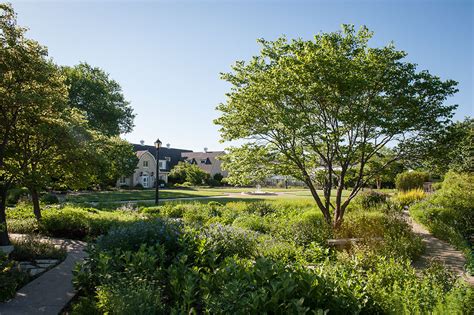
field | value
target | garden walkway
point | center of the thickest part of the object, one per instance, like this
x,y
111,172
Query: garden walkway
x,y
436,249
52,291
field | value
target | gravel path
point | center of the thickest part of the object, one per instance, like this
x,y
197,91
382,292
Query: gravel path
x,y
50,292
439,250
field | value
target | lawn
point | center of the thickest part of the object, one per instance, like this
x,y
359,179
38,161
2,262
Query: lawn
x,y
124,195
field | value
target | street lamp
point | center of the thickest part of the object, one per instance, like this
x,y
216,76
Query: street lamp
x,y
157,146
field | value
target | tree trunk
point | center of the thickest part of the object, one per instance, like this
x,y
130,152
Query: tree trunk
x,y
378,183
36,205
4,239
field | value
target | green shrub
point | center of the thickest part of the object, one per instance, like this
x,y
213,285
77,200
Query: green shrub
x,y
11,279
252,222
369,199
49,199
410,197
228,241
411,180
15,194
260,208
307,228
30,248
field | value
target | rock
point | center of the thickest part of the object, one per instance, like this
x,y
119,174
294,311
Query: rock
x,y
26,265
44,265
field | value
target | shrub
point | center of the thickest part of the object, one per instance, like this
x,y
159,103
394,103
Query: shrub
x,y
260,208
228,241
30,248
410,180
307,228
138,186
408,198
49,199
368,199
252,222
11,279
15,194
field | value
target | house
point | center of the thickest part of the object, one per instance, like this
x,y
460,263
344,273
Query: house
x,y
145,173
207,161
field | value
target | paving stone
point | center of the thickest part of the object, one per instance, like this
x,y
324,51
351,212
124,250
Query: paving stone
x,y
35,271
26,267
47,261
44,265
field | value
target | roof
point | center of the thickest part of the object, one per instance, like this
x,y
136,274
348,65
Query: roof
x,y
205,160
173,154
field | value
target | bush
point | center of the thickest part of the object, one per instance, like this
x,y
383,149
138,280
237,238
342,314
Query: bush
x,y
11,279
228,241
369,199
410,180
408,198
260,208
30,248
15,194
49,199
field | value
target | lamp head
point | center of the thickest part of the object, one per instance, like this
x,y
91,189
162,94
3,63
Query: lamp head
x,y
157,143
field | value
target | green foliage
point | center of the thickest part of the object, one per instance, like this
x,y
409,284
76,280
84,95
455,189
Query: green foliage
x,y
411,180
185,172
49,199
30,248
15,194
449,213
11,279
371,198
410,197
303,105
69,221
92,90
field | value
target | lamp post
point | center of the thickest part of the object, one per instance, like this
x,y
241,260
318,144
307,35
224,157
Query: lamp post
x,y
157,176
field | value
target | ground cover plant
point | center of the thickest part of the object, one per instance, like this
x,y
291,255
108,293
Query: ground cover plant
x,y
254,257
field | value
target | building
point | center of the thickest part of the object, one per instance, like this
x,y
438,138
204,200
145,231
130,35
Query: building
x,y
144,174
207,161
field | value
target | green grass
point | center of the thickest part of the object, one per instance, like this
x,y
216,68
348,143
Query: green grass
x,y
124,195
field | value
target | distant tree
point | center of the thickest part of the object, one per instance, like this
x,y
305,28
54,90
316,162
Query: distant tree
x,y
384,175
450,149
94,92
115,157
330,103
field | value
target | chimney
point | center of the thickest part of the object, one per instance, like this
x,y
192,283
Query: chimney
x,y
205,149
142,142
168,145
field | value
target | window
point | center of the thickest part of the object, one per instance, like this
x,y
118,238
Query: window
x,y
145,163
168,158
162,165
122,181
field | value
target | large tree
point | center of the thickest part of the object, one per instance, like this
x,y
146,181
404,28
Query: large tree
x,y
331,104
30,85
101,98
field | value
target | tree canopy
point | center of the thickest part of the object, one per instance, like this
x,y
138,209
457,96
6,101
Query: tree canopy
x,y
331,103
100,97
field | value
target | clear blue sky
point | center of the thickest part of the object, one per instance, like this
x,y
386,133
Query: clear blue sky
x,y
167,56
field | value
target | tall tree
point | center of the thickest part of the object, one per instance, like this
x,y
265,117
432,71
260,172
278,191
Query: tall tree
x,y
331,103
30,85
100,97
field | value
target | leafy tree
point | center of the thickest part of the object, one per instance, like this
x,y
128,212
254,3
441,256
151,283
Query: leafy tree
x,y
248,165
94,92
30,86
450,149
115,157
411,180
331,103
187,172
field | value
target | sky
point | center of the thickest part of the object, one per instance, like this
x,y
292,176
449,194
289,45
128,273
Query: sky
x,y
168,55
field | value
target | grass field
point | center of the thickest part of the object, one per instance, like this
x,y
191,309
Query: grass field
x,y
124,195
219,194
